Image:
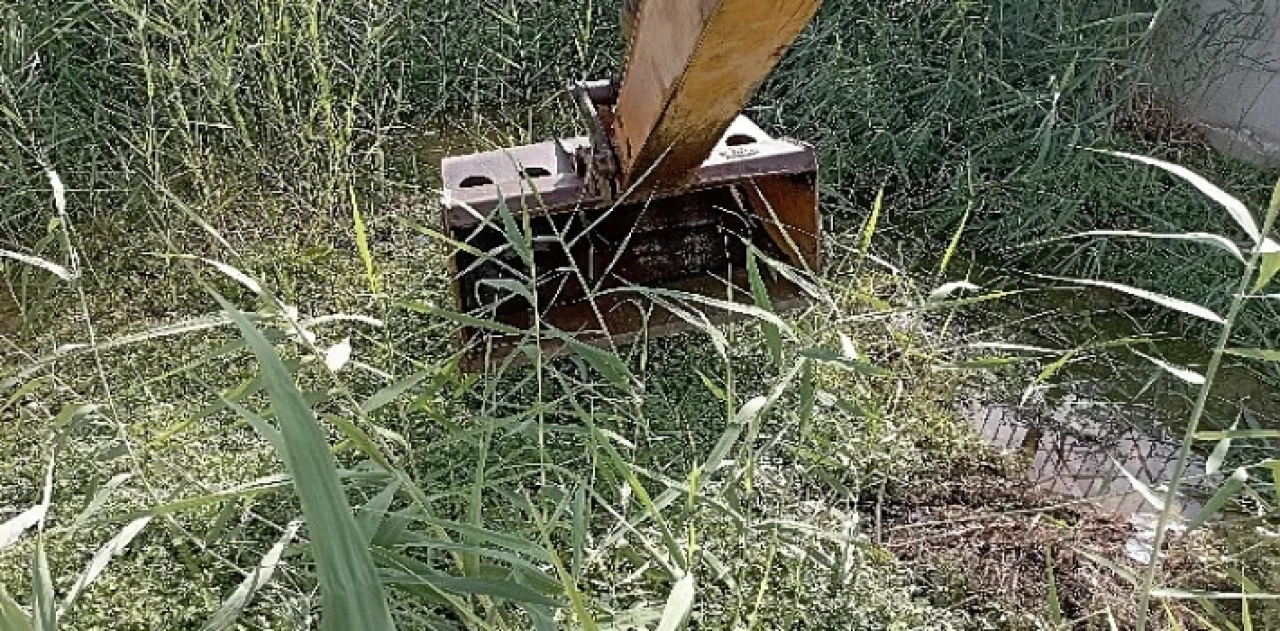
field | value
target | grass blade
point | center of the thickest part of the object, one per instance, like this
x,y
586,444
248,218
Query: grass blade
x,y
1189,308
750,311
1219,455
1184,594
679,604
954,244
1274,465
460,318
1121,571
362,244
1257,434
1219,498
1055,603
338,355
1234,207
35,261
236,275
607,363
390,393
1269,251
1207,238
231,609
45,613
869,231
11,530
479,535
493,587
59,190
371,516
1255,353
1141,487
110,550
720,452
772,338
515,236
1181,372
856,366
1268,266
100,498
202,323
945,290
12,617
351,595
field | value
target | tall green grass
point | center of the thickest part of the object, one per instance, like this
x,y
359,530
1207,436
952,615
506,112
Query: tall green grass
x,y
925,99
261,149
942,104
576,490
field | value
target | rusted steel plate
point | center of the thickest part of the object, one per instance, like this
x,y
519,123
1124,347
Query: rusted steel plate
x,y
590,257
640,244
621,318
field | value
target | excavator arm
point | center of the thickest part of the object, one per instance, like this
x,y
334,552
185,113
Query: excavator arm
x,y
691,67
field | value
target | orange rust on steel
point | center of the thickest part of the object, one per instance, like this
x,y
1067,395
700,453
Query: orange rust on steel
x,y
787,206
626,319
691,68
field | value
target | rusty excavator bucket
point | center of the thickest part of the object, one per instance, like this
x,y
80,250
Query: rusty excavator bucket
x,y
596,239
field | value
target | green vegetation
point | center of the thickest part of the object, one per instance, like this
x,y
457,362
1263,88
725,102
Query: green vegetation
x,y
172,462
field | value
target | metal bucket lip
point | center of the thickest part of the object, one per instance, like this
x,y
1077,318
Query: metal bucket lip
x,y
562,189
554,178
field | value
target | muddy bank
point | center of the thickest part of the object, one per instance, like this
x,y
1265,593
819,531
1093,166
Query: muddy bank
x,y
1096,394
992,544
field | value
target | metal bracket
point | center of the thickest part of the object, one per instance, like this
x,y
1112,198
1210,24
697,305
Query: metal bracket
x,y
596,163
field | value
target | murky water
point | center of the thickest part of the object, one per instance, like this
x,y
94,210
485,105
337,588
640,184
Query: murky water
x,y
1078,457
1113,410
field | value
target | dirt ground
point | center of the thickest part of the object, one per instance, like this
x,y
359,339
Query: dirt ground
x,y
989,543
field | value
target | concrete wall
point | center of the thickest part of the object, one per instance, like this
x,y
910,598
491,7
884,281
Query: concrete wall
x,y
1217,63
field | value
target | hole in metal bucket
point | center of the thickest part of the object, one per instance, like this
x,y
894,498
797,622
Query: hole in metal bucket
x,y
737,140
472,181
532,172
